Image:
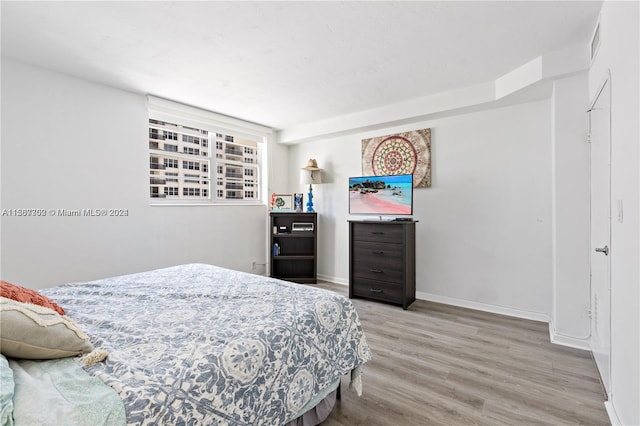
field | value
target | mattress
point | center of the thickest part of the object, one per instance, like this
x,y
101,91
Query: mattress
x,y
201,344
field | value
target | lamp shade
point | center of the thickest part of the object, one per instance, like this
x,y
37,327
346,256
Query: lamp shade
x,y
308,177
311,173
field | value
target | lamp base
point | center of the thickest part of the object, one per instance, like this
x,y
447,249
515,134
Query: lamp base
x,y
310,200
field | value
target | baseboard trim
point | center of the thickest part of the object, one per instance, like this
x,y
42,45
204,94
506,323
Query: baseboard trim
x,y
534,316
572,342
334,280
554,337
502,310
611,412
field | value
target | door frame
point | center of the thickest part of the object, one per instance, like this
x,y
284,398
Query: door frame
x,y
601,87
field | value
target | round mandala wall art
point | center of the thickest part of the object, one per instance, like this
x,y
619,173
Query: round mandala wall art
x,y
403,153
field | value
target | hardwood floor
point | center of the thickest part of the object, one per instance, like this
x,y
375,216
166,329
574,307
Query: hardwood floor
x,y
437,364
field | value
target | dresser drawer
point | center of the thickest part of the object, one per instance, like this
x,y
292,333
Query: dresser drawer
x,y
380,290
378,232
376,250
379,268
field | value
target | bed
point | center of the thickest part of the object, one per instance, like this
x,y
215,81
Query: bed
x,y
200,344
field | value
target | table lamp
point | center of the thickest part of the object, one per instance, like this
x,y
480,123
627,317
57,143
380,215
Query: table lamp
x,y
309,175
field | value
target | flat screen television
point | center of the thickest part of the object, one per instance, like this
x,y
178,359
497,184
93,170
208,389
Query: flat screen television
x,y
381,195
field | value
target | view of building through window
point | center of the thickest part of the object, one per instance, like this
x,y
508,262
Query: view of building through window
x,y
181,161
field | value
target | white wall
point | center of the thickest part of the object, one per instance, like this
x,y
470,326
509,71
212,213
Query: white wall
x,y
484,236
620,53
71,144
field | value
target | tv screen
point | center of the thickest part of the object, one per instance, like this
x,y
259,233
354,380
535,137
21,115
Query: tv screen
x,y
381,195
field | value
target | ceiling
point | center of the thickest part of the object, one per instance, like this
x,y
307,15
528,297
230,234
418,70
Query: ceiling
x,y
281,64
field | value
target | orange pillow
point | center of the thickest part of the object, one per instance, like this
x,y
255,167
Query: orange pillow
x,y
26,295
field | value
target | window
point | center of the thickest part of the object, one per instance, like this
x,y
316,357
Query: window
x,y
191,139
180,162
191,165
154,134
171,163
234,185
171,191
154,165
191,151
169,168
191,192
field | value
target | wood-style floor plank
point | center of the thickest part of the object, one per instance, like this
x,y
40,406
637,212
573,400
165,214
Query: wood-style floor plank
x,y
437,364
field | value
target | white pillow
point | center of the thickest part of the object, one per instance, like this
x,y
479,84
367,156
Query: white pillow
x,y
34,332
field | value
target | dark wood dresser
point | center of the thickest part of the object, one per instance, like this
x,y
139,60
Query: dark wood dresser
x,y
382,261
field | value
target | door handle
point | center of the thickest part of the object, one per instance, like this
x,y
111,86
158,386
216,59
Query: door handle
x,y
604,250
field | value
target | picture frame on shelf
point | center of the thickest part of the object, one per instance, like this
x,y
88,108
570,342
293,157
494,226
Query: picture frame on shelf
x,y
298,202
283,202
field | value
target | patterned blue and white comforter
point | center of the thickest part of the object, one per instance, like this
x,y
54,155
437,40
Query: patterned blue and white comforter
x,y
199,344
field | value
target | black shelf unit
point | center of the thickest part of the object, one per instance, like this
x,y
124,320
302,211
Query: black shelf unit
x,y
297,257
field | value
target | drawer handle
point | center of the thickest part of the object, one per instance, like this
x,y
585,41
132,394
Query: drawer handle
x,y
375,290
377,233
377,252
377,271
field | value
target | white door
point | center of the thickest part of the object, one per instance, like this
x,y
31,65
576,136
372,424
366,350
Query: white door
x,y
601,252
